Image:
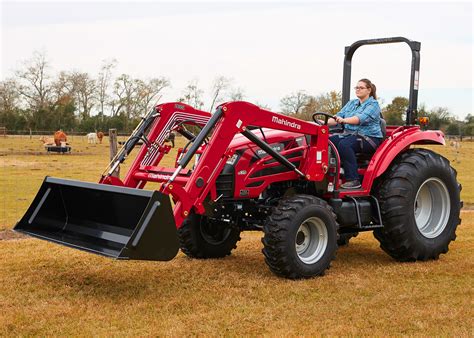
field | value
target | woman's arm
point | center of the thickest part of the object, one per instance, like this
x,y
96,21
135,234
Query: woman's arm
x,y
348,120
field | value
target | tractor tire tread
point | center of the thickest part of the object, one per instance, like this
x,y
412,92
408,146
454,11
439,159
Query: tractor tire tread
x,y
276,230
396,238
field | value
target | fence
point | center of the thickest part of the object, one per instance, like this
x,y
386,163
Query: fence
x,y
32,133
459,137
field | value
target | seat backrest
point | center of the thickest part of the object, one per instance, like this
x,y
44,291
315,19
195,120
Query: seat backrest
x,y
383,126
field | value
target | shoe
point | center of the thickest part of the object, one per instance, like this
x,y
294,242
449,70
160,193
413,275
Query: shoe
x,y
354,184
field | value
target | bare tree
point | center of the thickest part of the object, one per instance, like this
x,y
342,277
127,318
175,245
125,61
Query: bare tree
x,y
84,89
236,94
221,83
34,86
103,83
149,92
125,95
263,105
294,103
62,86
192,95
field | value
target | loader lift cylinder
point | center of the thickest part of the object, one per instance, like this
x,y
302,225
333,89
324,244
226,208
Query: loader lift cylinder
x,y
200,138
132,141
196,144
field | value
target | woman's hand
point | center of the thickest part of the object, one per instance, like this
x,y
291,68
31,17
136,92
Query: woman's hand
x,y
350,120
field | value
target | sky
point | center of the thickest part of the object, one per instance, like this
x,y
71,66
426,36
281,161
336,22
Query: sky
x,y
269,49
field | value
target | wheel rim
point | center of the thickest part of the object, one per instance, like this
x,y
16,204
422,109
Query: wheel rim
x,y
311,240
432,207
214,233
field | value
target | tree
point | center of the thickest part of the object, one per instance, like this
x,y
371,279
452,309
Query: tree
x,y
263,105
469,125
439,117
63,112
294,103
236,94
34,81
10,114
84,89
327,103
103,83
192,95
455,128
9,96
124,100
395,111
149,93
221,83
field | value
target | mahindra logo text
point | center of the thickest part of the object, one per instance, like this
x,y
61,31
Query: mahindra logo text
x,y
286,122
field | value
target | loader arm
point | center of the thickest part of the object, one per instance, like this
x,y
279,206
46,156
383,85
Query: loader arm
x,y
229,120
168,116
158,123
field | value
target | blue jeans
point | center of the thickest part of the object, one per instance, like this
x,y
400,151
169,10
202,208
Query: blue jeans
x,y
348,146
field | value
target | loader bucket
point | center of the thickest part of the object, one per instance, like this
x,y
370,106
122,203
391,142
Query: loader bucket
x,y
113,221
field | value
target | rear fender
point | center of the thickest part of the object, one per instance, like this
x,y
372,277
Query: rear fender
x,y
396,144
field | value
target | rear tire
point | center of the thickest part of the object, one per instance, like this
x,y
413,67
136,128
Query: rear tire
x,y
200,237
420,205
300,237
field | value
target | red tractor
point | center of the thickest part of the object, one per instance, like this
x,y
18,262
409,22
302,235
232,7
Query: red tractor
x,y
249,168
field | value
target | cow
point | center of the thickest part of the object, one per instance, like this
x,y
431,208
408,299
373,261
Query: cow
x,y
91,138
59,137
47,141
100,136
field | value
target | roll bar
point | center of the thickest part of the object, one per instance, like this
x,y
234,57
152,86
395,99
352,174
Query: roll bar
x,y
412,112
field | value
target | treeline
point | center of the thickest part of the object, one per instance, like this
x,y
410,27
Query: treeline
x,y
78,101
36,99
302,105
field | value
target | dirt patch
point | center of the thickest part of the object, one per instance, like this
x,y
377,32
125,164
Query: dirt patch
x,y
13,162
9,234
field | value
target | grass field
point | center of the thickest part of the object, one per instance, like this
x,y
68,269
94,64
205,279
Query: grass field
x,y
52,290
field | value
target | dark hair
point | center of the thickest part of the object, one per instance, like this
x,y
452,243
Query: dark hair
x,y
373,89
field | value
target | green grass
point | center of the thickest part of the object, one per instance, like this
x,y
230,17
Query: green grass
x,y
46,289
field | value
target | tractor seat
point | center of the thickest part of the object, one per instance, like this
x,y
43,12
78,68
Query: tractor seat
x,y
363,159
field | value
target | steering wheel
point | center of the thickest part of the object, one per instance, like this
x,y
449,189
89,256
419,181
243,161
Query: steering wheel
x,y
326,119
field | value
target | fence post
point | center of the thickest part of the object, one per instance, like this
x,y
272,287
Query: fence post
x,y
114,149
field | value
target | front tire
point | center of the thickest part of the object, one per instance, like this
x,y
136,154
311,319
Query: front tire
x,y
420,205
201,237
300,237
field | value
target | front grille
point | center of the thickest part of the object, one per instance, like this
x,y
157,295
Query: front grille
x,y
225,182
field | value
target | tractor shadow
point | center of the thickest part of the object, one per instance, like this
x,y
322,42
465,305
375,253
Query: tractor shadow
x,y
97,277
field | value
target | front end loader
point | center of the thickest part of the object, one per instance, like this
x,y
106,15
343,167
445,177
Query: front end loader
x,y
252,169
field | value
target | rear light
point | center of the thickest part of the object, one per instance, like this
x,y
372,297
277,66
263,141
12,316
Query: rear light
x,y
424,120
